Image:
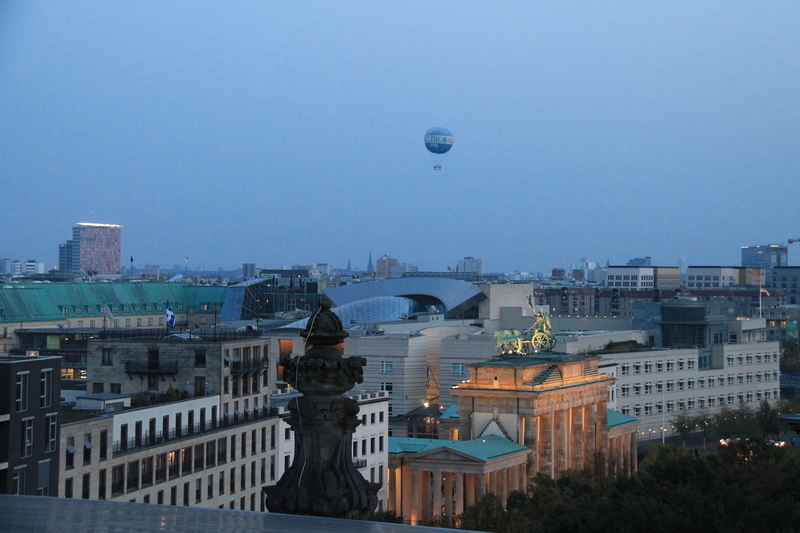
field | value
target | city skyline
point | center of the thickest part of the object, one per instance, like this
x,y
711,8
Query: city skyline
x,y
288,134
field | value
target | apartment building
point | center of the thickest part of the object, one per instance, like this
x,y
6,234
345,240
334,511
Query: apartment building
x,y
180,453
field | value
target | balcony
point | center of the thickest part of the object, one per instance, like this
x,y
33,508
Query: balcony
x,y
253,365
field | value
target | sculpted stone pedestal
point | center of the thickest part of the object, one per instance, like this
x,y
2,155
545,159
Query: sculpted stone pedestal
x,y
322,479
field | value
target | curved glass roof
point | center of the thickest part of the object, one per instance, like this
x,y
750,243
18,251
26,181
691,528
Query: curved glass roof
x,y
456,296
378,309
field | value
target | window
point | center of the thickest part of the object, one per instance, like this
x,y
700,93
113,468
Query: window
x,y
659,366
69,454
625,370
680,364
52,433
387,387
690,384
133,476
147,472
625,390
118,480
387,367
648,368
200,358
648,388
637,368
670,385
152,382
46,390
458,369
26,449
21,403
670,366
18,481
87,448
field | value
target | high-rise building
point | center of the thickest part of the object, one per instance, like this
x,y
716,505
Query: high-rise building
x,y
765,257
93,248
470,264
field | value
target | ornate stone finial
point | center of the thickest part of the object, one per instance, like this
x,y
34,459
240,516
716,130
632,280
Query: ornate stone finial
x,y
322,479
324,327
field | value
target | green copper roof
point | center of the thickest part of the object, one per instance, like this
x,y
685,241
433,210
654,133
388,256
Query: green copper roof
x,y
39,302
483,448
616,418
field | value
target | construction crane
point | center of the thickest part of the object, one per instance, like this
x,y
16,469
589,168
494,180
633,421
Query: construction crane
x,y
793,240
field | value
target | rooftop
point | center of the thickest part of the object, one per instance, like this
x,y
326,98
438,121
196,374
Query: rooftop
x,y
36,513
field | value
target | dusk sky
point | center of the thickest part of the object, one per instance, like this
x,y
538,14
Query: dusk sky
x,y
281,133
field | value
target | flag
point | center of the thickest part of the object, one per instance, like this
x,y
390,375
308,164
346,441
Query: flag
x,y
428,379
170,316
107,314
187,257
764,291
449,269
131,259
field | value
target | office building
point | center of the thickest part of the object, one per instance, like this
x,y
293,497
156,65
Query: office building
x,y
765,256
94,248
30,392
470,264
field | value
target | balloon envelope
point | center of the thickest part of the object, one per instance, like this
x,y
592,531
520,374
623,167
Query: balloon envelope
x,y
438,140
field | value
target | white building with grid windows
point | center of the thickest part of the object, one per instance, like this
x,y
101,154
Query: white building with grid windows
x,y
655,385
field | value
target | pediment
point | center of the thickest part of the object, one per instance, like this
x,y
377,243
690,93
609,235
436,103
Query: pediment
x,y
445,454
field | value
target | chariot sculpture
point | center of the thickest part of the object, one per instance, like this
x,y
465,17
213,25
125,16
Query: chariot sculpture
x,y
537,338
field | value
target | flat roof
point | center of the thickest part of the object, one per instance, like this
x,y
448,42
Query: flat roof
x,y
37,513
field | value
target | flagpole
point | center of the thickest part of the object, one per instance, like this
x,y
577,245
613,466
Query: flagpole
x,y
760,289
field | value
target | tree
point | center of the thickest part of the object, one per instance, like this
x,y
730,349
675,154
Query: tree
x,y
768,419
486,515
790,357
684,424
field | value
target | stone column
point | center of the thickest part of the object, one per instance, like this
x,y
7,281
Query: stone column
x,y
590,442
413,508
532,442
576,434
459,480
523,479
471,489
407,494
437,493
448,494
393,492
546,444
481,486
559,443
513,483
601,428
424,502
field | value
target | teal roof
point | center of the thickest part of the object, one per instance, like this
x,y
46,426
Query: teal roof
x,y
450,412
39,302
615,418
483,448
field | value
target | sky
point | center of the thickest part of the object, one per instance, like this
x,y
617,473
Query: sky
x,y
282,133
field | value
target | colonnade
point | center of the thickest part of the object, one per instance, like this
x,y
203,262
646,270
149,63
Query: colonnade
x,y
565,438
418,494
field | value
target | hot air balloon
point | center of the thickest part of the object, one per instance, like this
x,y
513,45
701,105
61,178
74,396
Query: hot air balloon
x,y
438,141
